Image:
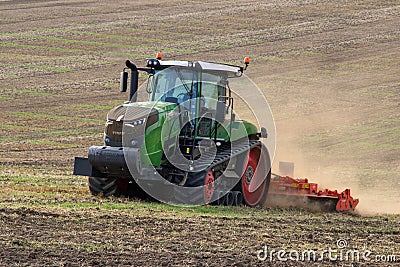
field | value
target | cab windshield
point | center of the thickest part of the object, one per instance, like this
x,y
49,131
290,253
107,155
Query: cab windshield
x,y
177,85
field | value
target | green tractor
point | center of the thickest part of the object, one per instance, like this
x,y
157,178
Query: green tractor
x,y
184,145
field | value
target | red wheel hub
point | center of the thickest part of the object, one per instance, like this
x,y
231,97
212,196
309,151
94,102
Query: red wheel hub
x,y
208,187
254,179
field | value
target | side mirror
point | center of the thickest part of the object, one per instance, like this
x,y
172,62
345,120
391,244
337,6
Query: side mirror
x,y
124,81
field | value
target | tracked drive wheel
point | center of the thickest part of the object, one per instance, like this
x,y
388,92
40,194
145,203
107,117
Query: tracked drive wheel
x,y
255,179
104,186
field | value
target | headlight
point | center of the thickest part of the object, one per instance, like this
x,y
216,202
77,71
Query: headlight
x,y
152,62
107,140
136,122
134,142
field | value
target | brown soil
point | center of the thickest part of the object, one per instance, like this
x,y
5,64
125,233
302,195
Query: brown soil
x,y
151,237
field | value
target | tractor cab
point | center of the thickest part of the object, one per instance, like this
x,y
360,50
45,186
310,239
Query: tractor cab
x,y
202,96
179,81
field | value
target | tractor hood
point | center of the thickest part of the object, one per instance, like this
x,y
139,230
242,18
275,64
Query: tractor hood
x,y
139,116
138,110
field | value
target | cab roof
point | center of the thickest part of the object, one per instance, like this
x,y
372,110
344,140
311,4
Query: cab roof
x,y
231,70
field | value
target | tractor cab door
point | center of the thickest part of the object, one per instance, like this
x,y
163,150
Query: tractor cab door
x,y
200,97
211,104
